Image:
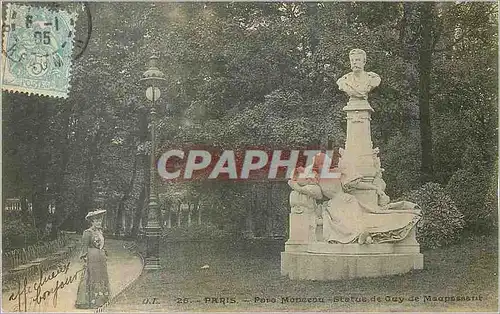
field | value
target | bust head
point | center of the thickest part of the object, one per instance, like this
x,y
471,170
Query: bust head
x,y
358,60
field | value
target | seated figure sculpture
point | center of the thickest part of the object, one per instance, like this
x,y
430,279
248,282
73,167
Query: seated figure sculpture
x,y
305,192
346,219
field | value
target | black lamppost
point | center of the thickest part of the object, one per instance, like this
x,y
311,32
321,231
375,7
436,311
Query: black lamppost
x,y
153,78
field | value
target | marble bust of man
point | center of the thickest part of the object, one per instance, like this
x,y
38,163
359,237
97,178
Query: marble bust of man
x,y
358,83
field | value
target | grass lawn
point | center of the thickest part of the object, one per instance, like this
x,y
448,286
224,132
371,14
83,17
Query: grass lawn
x,y
244,271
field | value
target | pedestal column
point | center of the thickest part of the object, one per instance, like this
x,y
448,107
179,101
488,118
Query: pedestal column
x,y
358,151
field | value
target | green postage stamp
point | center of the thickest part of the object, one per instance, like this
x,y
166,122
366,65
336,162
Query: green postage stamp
x,y
37,50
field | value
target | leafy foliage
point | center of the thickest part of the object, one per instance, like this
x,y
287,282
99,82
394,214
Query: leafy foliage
x,y
401,161
241,74
441,221
196,232
18,232
472,191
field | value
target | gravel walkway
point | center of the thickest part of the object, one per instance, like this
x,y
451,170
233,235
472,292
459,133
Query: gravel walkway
x,y
123,268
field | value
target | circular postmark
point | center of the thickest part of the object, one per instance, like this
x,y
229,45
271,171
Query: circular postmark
x,y
38,47
82,41
83,27
35,35
32,34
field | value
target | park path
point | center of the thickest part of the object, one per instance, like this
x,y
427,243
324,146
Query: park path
x,y
123,268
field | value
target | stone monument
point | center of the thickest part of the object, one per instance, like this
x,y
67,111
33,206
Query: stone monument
x,y
347,227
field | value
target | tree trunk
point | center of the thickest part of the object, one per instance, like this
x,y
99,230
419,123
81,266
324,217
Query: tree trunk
x,y
87,200
249,222
270,210
41,166
179,213
126,195
199,215
409,29
40,210
119,216
424,71
61,213
416,40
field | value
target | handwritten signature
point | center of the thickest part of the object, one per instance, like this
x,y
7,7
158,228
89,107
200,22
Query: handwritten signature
x,y
24,290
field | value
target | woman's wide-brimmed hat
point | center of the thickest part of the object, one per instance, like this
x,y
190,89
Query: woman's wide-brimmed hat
x,y
95,213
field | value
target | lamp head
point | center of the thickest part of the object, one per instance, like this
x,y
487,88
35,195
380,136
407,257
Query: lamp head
x,y
153,76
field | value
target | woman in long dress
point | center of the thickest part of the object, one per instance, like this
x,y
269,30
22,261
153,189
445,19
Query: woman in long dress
x,y
93,290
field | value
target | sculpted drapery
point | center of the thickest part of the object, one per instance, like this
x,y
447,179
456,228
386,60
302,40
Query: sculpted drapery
x,y
345,218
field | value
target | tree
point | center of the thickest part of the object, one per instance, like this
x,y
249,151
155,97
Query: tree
x,y
264,74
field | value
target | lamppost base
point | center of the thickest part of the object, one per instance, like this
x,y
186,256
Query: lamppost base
x,y
153,233
152,263
152,260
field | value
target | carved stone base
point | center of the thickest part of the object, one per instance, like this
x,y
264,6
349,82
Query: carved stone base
x,y
364,249
326,261
296,246
337,266
302,227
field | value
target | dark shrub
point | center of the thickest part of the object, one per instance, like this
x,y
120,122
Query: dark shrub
x,y
17,232
474,193
442,222
401,160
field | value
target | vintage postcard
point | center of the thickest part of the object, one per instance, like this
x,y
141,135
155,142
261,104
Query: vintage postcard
x,y
249,157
